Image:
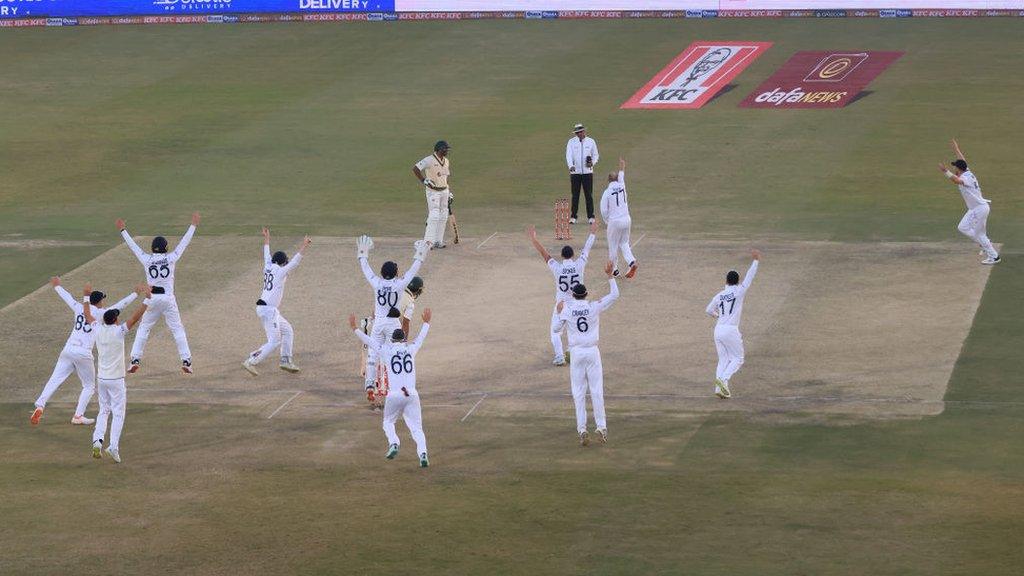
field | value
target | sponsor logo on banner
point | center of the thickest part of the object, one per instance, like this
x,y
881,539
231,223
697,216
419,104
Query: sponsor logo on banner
x,y
820,79
830,13
534,14
694,14
696,75
192,5
895,13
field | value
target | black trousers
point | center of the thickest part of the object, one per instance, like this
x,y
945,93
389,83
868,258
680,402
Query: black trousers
x,y
585,181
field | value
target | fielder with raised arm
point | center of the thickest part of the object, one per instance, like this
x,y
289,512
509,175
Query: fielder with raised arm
x,y
433,172
159,270
615,212
403,398
582,319
727,307
568,273
279,331
112,394
975,222
387,289
77,353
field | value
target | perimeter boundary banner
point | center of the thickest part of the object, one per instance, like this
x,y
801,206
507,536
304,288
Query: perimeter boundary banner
x,y
12,20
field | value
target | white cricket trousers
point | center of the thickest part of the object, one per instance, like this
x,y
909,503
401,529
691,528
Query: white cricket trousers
x,y
279,333
380,332
556,337
79,362
437,215
618,240
729,343
112,403
974,224
165,306
406,405
586,373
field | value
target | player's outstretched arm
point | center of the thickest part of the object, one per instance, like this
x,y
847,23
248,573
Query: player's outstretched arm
x,y
613,293
298,254
585,253
266,246
366,340
424,328
86,309
622,171
124,302
532,233
363,246
952,177
144,291
956,150
748,278
139,253
186,239
64,294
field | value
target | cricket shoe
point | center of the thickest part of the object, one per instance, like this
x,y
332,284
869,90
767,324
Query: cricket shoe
x,y
287,366
572,220
392,452
991,261
559,361
80,420
424,462
136,364
584,438
632,269
602,435
439,246
37,415
615,273
250,367
114,454
186,366
97,449
590,221
722,389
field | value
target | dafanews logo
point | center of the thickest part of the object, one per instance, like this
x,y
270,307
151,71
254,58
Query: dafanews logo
x,y
696,75
820,79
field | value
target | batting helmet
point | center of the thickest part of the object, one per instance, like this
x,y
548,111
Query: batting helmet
x,y
388,270
159,245
416,286
441,145
279,258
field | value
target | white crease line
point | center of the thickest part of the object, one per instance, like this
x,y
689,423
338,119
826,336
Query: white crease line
x,y
639,239
286,402
480,245
473,408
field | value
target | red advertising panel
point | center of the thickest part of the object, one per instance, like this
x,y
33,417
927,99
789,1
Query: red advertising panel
x,y
696,75
820,79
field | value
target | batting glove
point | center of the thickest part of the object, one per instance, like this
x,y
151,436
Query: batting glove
x,y
428,183
421,250
364,244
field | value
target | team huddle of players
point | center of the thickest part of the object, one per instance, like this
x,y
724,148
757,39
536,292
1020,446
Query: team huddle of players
x,y
386,339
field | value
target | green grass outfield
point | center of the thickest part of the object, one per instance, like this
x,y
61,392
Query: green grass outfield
x,y
314,128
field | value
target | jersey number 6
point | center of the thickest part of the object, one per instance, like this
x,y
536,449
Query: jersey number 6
x,y
581,324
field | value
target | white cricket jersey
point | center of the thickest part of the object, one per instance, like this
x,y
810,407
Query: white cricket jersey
x,y
435,169
110,345
727,305
971,190
400,360
582,318
274,277
576,152
569,272
387,292
159,268
83,333
613,200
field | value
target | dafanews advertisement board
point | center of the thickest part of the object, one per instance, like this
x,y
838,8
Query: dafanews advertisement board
x,y
696,75
73,8
830,79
